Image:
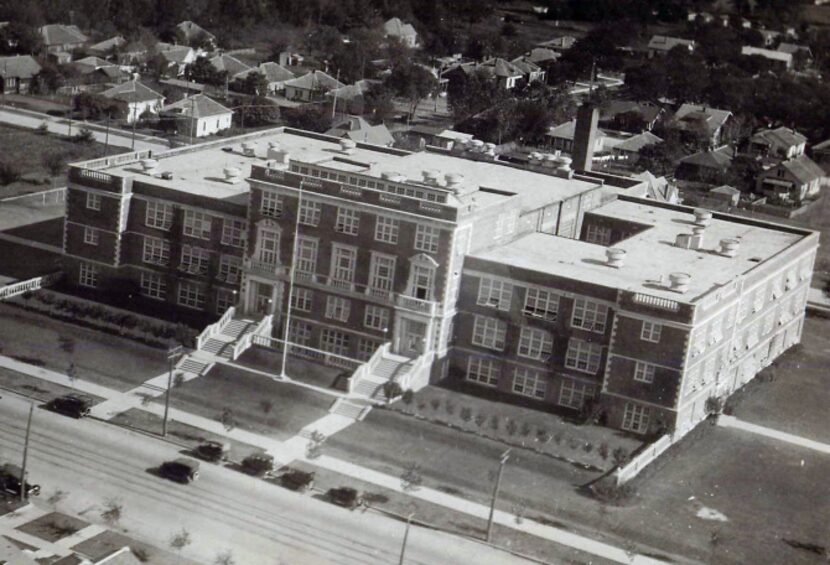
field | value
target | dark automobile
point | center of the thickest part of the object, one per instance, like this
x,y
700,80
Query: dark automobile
x,y
346,497
297,480
180,470
258,464
213,451
71,405
10,481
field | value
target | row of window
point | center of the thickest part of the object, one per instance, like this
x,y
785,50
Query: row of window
x,y
330,340
194,260
159,215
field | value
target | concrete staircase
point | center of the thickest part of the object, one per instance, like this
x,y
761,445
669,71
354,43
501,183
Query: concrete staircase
x,y
221,344
353,409
191,364
390,367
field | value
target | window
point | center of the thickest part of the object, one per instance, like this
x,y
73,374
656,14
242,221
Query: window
x,y
483,371
306,255
573,394
386,229
583,356
489,332
153,285
229,269
224,299
234,232
366,348
271,204
343,263
535,343
644,372
91,235
495,293
635,418
337,308
382,275
347,221
310,212
334,341
268,246
421,280
299,333
541,304
589,315
301,299
159,215
426,238
156,251
598,234
191,295
93,201
376,318
88,275
529,383
195,260
651,331
196,224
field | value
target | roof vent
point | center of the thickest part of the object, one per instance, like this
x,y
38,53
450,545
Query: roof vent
x,y
476,146
430,177
729,247
550,160
149,166
679,282
249,149
702,217
615,256
490,149
233,175
534,158
279,157
347,146
454,181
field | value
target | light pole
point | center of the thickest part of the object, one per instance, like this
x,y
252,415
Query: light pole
x,y
173,355
294,245
405,537
504,457
23,493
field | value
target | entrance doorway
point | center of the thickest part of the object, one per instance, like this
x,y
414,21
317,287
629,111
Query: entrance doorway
x,y
413,337
263,298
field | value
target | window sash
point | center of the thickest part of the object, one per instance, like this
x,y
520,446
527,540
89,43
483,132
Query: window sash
x,y
348,221
153,285
651,331
386,229
541,303
376,318
644,372
337,308
573,393
589,315
271,204
583,356
343,263
426,238
483,371
310,212
383,273
529,383
93,201
196,224
489,333
156,251
301,299
535,343
635,418
307,255
159,215
234,232
494,293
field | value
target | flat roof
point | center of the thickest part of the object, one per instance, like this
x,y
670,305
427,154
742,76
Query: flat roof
x,y
651,255
199,169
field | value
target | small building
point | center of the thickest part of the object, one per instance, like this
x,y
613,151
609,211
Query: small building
x,y
531,72
703,118
629,115
311,86
561,137
275,74
769,36
17,73
543,56
359,130
199,116
794,180
351,98
192,33
138,98
93,72
630,148
108,47
229,64
662,44
401,31
705,165
779,58
60,40
727,194
178,57
781,142
561,43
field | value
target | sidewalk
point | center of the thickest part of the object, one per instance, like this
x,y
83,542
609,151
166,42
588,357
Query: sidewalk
x,y
294,449
732,422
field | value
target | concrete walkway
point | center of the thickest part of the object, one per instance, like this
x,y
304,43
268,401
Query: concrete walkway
x,y
732,422
294,449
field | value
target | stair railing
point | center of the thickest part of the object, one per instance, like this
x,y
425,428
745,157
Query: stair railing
x,y
368,367
214,328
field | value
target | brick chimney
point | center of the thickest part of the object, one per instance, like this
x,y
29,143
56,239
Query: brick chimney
x,y
585,134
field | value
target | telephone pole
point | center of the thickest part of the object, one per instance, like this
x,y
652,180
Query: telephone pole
x,y
173,355
504,457
405,538
23,493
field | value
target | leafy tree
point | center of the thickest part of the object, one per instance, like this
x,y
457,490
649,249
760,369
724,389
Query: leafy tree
x,y
471,94
647,81
413,83
54,161
253,83
113,511
687,75
95,106
9,172
17,37
203,72
308,117
378,104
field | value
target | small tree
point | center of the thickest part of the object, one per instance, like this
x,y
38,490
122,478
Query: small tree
x,y
411,477
408,397
620,456
180,540
54,161
391,390
466,414
9,173
315,445
480,419
84,136
449,406
603,451
178,380
113,511
224,558
227,419
266,405
494,422
512,427
42,129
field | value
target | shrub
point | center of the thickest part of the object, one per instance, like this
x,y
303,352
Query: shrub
x,y
542,436
266,405
178,380
714,405
526,429
392,390
9,173
466,413
42,129
84,136
411,478
408,397
620,456
512,427
494,423
557,438
113,510
421,405
435,403
588,447
611,493
573,443
603,451
480,419
449,406
314,449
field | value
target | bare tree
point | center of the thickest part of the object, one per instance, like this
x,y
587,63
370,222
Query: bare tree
x,y
224,558
113,511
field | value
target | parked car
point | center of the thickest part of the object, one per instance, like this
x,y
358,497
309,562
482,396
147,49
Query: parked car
x,y
71,405
10,481
213,451
297,480
258,464
181,470
346,497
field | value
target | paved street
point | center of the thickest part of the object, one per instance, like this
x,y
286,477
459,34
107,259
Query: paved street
x,y
224,510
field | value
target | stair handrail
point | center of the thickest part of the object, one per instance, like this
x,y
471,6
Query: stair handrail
x,y
263,328
421,361
214,328
367,368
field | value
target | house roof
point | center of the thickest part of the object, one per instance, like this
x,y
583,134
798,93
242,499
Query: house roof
x,y
711,117
647,110
132,91
563,42
822,146
92,63
197,106
275,72
395,27
803,168
352,91
175,53
525,65
793,48
358,129
502,68
123,556
667,42
543,54
780,136
637,142
229,64
314,80
58,34
566,130
18,66
726,189
719,158
107,45
192,29
768,54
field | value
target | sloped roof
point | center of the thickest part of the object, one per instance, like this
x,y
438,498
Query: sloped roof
x,y
563,42
566,130
667,42
637,142
315,80
93,63
542,54
132,91
502,68
719,158
229,64
780,135
803,168
768,54
175,53
18,66
822,146
659,188
793,48
726,189
275,72
58,34
711,117
524,64
192,29
612,108
396,28
107,45
358,129
352,91
197,106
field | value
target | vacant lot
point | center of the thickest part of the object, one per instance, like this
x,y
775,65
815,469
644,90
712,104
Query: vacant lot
x,y
53,527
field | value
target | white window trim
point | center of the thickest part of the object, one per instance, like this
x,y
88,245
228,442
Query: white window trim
x,y
93,201
644,372
651,331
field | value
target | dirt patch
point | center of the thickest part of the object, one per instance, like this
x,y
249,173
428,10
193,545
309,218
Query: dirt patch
x,y
53,526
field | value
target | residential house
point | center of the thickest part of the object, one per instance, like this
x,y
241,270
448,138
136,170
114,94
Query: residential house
x,y
506,74
662,44
561,43
311,86
705,166
60,40
229,64
821,153
561,137
360,131
629,115
290,59
422,135
17,73
710,121
794,180
778,58
629,149
191,33
92,73
138,99
275,75
778,143
177,56
769,36
401,31
198,116
543,56
350,99
802,55
108,47
729,195
531,72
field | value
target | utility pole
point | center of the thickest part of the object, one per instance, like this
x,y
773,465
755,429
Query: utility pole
x,y
107,136
504,457
405,538
135,115
173,355
334,104
23,493
291,272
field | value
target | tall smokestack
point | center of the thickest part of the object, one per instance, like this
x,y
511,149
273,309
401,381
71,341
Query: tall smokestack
x,y
585,136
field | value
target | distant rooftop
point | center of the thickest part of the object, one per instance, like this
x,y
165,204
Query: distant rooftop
x,y
651,254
